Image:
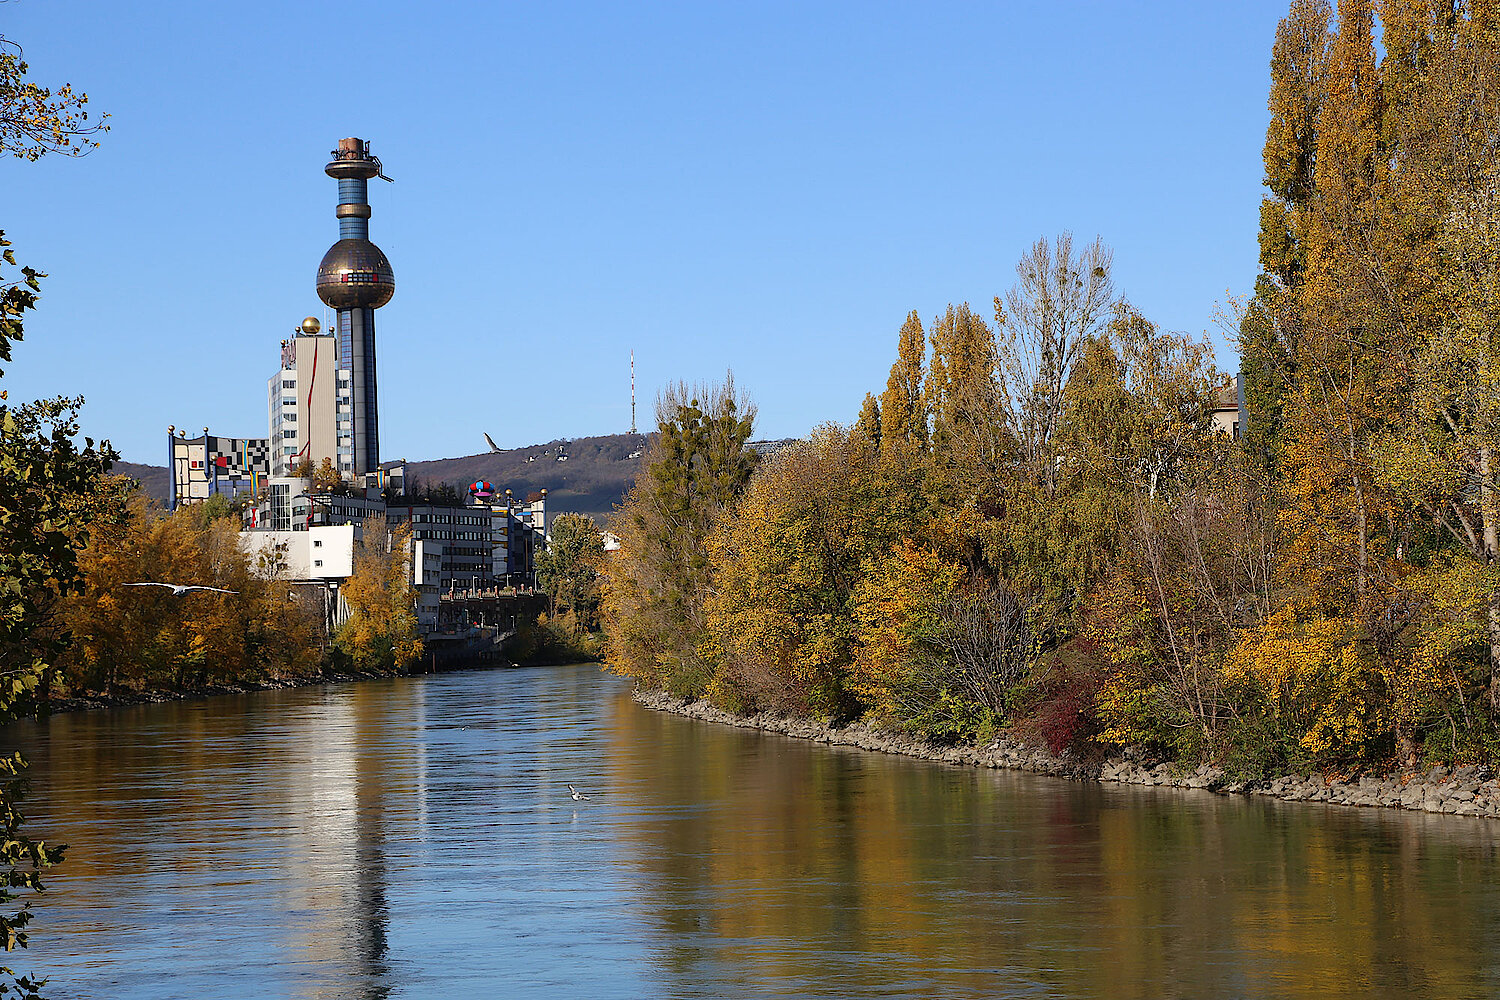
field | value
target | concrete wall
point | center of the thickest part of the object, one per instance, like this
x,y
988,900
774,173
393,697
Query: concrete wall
x,y
321,553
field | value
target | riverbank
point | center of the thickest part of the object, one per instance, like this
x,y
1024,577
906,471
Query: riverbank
x,y
1463,791
127,699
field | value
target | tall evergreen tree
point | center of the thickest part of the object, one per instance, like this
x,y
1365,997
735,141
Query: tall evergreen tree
x,y
656,587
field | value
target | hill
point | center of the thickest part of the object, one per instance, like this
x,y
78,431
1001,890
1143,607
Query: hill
x,y
153,478
594,476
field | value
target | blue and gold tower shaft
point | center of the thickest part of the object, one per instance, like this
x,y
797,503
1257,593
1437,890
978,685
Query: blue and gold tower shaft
x,y
356,279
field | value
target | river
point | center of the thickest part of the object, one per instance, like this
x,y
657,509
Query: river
x,y
416,838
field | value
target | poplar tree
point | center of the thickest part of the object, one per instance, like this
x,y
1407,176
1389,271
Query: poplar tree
x,y
963,394
903,405
1270,325
867,429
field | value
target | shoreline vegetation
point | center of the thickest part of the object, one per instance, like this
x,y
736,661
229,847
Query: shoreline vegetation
x,y
1462,791
1062,525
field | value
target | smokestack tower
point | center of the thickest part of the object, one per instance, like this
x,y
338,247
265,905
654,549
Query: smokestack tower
x,y
356,279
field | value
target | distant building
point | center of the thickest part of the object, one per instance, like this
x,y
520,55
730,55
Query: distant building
x,y
464,532
1229,413
198,468
309,405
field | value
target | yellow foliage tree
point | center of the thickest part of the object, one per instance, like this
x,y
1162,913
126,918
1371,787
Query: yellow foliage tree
x,y
381,630
1325,690
787,561
903,405
146,637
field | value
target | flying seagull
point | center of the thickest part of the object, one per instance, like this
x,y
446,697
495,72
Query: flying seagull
x,y
179,589
577,795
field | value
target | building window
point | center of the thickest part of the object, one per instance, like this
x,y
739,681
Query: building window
x,y
289,434
317,562
288,383
317,543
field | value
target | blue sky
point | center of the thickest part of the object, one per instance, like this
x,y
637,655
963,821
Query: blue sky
x,y
762,187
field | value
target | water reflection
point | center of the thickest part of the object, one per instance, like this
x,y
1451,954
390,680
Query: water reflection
x,y
415,838
851,873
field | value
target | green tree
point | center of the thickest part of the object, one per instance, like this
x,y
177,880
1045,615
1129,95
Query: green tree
x,y
42,471
657,584
569,569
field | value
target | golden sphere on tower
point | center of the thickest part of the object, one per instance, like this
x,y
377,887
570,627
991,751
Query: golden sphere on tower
x,y
311,326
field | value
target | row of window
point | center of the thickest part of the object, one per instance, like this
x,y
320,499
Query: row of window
x,y
449,519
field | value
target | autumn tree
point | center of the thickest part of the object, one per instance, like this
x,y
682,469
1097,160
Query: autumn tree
x,y
963,396
1060,299
145,638
903,405
36,120
41,468
788,560
327,477
1443,458
656,587
381,630
867,428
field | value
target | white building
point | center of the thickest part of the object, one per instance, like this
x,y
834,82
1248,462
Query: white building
x,y
1229,413
320,553
427,578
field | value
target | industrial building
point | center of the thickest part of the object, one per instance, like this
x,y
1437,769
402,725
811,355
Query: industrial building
x,y
356,279
322,403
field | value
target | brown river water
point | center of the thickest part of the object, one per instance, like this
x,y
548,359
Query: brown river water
x,y
416,838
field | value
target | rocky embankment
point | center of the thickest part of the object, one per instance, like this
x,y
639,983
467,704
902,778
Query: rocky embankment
x,y
1464,791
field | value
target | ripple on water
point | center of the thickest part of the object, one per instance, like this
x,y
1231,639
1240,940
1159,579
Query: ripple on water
x,y
416,838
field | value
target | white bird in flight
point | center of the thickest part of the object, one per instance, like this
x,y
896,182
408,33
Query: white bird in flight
x,y
577,795
179,589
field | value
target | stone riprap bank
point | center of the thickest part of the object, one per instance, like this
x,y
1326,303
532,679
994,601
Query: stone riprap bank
x,y
1463,791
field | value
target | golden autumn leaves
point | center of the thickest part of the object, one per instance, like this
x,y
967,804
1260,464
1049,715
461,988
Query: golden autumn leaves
x,y
1037,524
